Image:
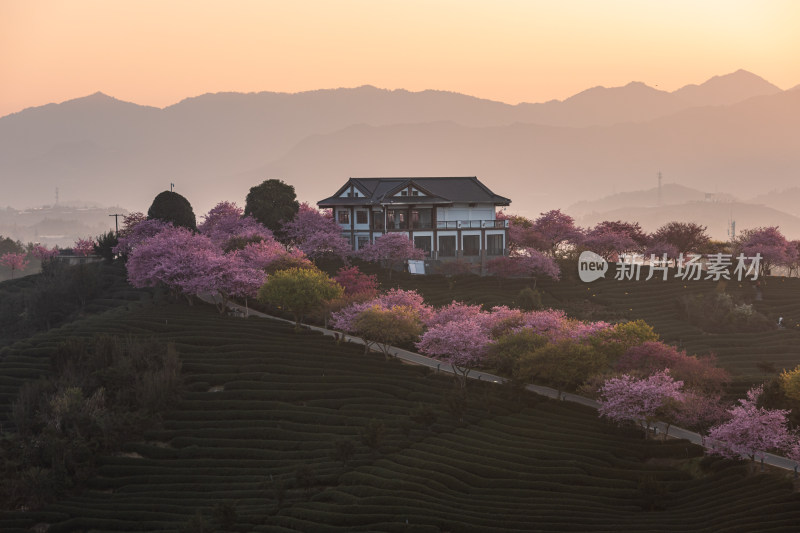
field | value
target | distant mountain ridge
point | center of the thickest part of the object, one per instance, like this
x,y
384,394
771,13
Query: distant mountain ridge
x,y
216,146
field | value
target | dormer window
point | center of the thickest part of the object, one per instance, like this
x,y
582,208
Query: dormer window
x,y
414,193
403,193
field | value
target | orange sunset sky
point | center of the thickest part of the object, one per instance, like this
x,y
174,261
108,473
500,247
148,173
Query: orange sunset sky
x,y
157,52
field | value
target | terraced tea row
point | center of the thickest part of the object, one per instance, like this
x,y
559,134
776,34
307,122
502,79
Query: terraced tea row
x,y
261,424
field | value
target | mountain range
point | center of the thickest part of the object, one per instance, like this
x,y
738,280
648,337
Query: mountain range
x,y
735,134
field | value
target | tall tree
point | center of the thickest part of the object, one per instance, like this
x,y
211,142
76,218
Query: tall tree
x,y
684,236
171,207
272,203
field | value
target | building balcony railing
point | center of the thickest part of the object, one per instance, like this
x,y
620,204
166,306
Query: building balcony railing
x,y
471,224
441,224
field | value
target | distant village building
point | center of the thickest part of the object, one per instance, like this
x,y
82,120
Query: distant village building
x,y
448,217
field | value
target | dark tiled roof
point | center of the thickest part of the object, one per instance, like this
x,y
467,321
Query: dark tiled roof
x,y
438,190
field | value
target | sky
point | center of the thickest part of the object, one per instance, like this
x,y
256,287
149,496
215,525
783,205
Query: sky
x,y
156,52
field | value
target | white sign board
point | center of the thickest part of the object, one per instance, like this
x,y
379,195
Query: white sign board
x,y
416,266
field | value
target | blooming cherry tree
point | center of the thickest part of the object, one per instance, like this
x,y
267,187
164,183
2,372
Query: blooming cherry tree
x,y
751,430
348,318
771,244
14,261
316,233
44,254
557,231
452,311
137,229
628,398
84,247
462,342
391,249
226,221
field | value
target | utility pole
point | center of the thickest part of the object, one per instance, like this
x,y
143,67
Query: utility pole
x,y
171,186
116,221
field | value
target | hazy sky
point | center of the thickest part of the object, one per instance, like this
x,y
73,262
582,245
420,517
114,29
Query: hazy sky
x,y
158,52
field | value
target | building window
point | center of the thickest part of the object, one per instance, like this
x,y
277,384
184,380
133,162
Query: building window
x,y
363,241
344,217
403,193
361,217
397,219
414,193
421,218
447,246
494,244
472,244
423,243
377,220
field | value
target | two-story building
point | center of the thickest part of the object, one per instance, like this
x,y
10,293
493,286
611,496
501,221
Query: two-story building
x,y
448,217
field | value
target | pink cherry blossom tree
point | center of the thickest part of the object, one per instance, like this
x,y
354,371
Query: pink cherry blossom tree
x,y
226,221
770,243
83,247
316,233
452,311
557,231
521,233
639,400
223,275
172,258
347,318
268,253
609,241
462,342
14,261
391,250
137,228
44,254
751,431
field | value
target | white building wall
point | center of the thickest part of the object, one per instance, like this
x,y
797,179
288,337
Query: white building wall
x,y
464,212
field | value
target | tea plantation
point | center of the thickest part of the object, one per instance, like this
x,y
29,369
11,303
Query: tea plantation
x,y
283,431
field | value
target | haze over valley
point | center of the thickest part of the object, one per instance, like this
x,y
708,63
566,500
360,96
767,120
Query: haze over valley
x,y
733,135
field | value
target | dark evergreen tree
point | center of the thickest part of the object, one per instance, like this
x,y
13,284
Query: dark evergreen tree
x,y
172,207
271,203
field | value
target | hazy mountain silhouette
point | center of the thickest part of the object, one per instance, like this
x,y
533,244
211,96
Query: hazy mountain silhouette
x,y
727,89
670,194
716,216
735,150
217,146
